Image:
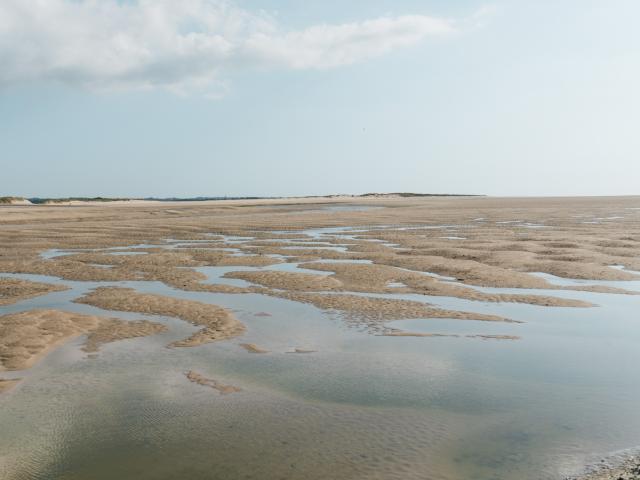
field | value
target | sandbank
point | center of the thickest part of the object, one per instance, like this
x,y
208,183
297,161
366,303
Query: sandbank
x,y
217,322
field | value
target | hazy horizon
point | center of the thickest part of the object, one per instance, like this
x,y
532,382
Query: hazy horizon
x,y
264,98
355,196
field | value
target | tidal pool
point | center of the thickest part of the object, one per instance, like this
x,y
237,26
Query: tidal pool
x,y
362,405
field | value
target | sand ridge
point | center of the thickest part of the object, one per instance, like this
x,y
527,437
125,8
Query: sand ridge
x,y
27,336
13,290
353,277
374,311
253,348
217,322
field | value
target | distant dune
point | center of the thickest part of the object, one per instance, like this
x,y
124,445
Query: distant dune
x,y
148,200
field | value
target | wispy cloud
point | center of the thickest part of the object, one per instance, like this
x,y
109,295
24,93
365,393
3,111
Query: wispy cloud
x,y
327,46
184,45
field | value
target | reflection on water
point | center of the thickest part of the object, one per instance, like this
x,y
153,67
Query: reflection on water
x,y
362,406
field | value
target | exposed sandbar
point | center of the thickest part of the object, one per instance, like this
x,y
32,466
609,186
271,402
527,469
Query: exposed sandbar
x,y
288,280
13,290
218,323
374,309
353,277
211,383
376,278
111,330
253,348
27,336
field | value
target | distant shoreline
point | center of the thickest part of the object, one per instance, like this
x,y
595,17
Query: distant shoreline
x,y
15,200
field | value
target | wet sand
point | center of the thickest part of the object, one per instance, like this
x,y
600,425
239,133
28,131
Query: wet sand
x,y
354,277
627,470
253,348
374,310
454,335
288,280
493,253
218,323
427,246
447,247
14,290
7,384
211,383
28,336
302,350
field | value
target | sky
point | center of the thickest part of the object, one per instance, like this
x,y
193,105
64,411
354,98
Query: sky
x,y
281,98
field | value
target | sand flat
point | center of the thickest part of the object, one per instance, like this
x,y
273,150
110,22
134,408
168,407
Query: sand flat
x,y
499,251
403,239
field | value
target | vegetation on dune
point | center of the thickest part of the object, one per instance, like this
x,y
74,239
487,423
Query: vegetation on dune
x,y
10,200
41,201
411,194
48,201
44,201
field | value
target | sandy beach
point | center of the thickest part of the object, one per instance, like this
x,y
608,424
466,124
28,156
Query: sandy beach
x,y
387,259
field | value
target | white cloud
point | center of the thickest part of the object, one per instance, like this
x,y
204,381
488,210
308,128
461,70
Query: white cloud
x,y
180,45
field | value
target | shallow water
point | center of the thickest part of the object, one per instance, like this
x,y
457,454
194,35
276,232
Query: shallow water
x,y
361,406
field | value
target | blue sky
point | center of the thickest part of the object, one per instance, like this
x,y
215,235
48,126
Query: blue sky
x,y
317,97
